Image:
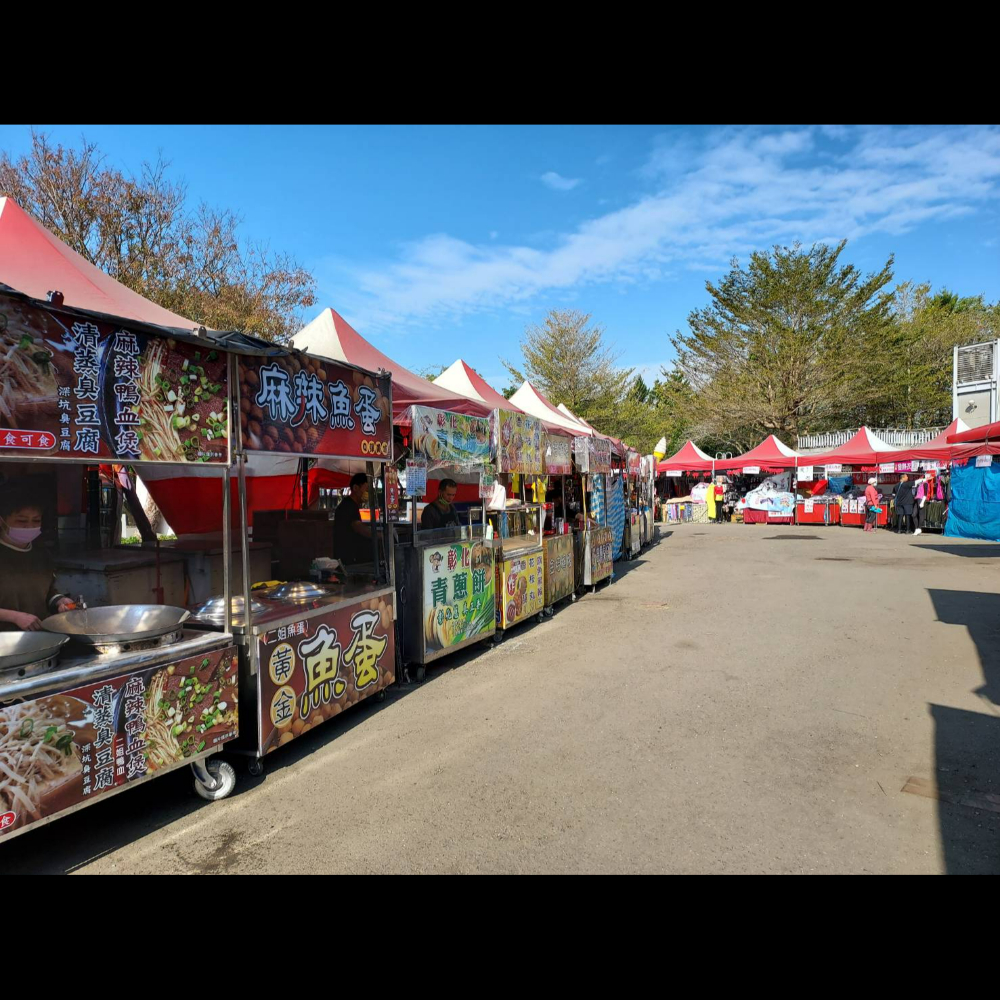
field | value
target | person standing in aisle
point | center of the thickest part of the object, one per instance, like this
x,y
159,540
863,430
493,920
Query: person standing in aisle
x,y
720,495
710,502
904,505
871,502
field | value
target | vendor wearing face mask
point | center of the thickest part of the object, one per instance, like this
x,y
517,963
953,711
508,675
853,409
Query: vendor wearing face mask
x,y
27,577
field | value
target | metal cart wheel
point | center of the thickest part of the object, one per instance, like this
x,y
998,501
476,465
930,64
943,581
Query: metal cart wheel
x,y
213,779
498,637
380,696
255,766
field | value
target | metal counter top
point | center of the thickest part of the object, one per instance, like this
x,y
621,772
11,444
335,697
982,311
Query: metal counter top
x,y
73,671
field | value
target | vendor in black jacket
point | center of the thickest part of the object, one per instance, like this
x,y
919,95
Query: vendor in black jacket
x,y
441,513
352,537
903,495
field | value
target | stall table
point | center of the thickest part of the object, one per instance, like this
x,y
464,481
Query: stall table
x,y
820,512
751,516
856,519
559,569
598,555
306,661
107,718
446,598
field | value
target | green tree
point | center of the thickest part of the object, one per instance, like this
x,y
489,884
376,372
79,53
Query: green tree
x,y
140,229
927,328
788,343
567,359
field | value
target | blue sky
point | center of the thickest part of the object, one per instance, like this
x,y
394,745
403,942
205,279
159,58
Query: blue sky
x,y
445,242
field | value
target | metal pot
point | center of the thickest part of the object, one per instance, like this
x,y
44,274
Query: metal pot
x,y
213,611
298,591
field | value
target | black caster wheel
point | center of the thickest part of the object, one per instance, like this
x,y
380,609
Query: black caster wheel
x,y
498,637
380,697
421,674
255,766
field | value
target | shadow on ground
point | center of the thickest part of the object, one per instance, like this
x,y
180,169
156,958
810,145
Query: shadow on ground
x,y
967,744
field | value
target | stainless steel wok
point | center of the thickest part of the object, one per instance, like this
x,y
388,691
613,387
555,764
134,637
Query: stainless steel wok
x,y
119,623
18,648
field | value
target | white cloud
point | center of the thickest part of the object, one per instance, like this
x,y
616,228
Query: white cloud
x,y
559,183
724,195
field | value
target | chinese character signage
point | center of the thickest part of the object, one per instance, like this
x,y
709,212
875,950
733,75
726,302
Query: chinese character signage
x,y
449,440
517,441
392,491
72,388
558,455
69,748
487,481
520,588
559,575
458,595
307,406
313,669
601,552
600,455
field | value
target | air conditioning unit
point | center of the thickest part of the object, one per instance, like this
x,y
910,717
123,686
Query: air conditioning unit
x,y
974,383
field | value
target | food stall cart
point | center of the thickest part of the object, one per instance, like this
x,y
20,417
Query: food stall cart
x,y
106,697
309,649
595,544
559,570
445,577
518,450
633,509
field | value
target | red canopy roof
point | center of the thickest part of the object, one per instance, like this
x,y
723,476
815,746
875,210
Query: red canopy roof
x,y
330,335
688,458
35,262
770,453
463,378
865,448
988,431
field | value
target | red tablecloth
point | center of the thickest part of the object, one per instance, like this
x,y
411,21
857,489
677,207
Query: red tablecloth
x,y
858,520
761,517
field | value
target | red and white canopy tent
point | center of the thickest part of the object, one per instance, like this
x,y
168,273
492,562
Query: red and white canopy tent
x,y
35,262
864,449
771,455
329,335
530,400
688,458
464,379
965,435
618,448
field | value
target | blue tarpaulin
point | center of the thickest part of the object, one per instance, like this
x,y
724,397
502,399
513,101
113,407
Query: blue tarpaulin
x,y
616,515
974,511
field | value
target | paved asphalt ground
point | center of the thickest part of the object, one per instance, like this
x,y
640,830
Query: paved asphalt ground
x,y
740,699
